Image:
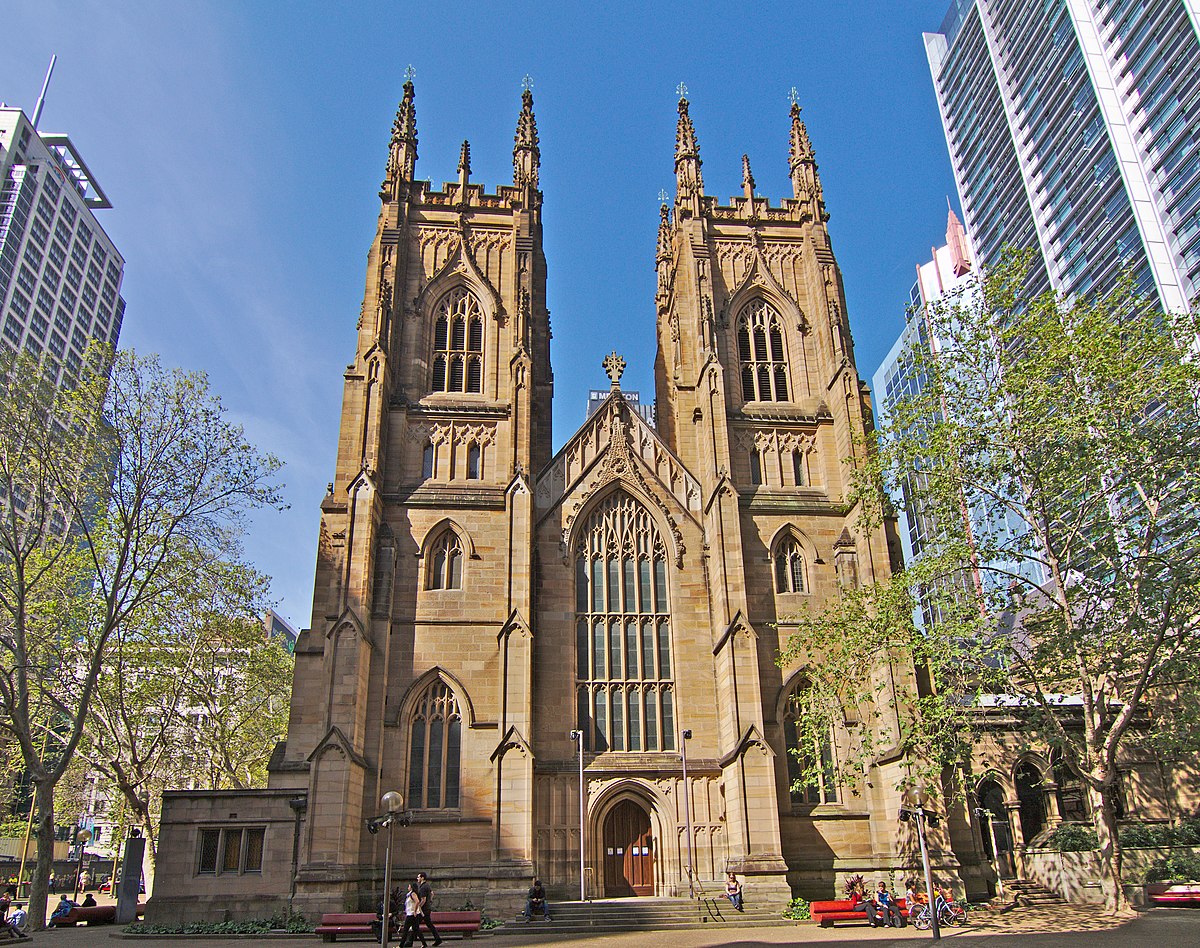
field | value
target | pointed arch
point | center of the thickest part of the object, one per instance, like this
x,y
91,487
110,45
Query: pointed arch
x,y
408,699
433,724
448,523
624,668
656,505
792,556
457,352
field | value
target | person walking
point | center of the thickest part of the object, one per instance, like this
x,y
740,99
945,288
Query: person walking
x,y
412,918
425,893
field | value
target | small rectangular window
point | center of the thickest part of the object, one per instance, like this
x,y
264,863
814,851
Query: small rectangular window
x,y
254,850
231,854
755,468
209,844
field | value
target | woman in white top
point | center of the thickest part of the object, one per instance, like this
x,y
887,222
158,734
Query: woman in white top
x,y
412,918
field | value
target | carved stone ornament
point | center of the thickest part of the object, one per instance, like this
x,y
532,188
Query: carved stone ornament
x,y
614,367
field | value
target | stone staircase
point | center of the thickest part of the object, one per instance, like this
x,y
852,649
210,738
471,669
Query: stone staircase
x,y
1031,893
610,916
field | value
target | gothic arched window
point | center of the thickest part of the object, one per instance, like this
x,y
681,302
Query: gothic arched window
x,y
809,755
434,749
791,572
474,462
445,562
624,683
458,343
761,352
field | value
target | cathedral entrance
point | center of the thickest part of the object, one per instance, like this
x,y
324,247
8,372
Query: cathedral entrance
x,y
628,851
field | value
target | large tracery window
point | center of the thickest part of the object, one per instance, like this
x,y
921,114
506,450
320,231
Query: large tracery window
x,y
624,685
434,749
458,343
760,349
445,564
791,573
809,756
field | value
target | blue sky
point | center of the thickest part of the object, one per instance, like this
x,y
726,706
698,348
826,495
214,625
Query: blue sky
x,y
242,146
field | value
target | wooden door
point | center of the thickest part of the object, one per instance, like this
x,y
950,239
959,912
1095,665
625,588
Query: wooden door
x,y
628,851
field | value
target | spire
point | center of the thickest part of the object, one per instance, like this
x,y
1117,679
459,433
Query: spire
x,y
802,162
402,159
956,240
526,155
689,183
747,178
464,164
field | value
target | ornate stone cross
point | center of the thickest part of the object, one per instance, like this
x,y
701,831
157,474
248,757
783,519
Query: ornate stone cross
x,y
681,91
527,83
409,73
614,365
793,95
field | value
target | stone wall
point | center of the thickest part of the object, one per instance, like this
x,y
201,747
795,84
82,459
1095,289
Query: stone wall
x,y
1076,876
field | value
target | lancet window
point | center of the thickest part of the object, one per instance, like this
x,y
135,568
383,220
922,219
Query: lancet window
x,y
625,698
761,351
445,562
434,749
458,343
809,754
791,571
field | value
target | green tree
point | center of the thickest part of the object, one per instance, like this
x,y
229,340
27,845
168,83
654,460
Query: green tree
x,y
1053,455
147,732
109,490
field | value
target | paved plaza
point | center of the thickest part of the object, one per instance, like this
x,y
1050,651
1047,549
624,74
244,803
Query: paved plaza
x,y
1037,928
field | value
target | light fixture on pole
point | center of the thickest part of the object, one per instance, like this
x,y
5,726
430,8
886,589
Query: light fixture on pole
x,y
393,806
577,736
686,736
919,815
83,837
982,813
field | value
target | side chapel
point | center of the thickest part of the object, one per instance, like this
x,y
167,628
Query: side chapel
x,y
477,597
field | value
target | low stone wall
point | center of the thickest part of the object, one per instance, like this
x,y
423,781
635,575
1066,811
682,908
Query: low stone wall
x,y
1076,876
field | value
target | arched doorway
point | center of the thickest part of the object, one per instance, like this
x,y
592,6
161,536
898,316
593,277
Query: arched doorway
x,y
628,851
1032,797
997,828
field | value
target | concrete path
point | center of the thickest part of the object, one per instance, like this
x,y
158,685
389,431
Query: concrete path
x,y
1036,928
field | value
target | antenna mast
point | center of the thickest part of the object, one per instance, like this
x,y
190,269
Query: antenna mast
x,y
41,102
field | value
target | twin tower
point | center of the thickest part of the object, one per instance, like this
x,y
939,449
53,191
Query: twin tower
x,y
480,599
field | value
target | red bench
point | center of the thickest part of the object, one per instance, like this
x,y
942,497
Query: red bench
x,y
362,923
839,910
93,915
1167,893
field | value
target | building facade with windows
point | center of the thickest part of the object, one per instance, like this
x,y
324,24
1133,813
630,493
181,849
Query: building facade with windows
x,y
60,275
478,596
1074,130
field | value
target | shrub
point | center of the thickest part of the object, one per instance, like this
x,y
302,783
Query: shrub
x,y
1072,838
296,925
1177,867
797,909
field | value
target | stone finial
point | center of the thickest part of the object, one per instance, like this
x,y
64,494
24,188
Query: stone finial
x,y
614,366
747,178
402,159
689,182
802,162
527,157
664,234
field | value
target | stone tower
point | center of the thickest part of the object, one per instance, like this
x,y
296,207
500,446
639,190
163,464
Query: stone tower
x,y
424,565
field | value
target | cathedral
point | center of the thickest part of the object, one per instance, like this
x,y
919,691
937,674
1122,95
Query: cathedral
x,y
566,662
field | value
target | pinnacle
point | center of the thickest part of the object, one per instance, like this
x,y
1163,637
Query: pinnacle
x,y
464,159
526,154
747,176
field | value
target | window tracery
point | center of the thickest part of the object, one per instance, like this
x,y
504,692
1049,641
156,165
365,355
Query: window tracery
x,y
761,352
458,343
791,569
434,749
445,562
624,681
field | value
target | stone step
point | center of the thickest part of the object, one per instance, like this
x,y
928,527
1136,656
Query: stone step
x,y
628,915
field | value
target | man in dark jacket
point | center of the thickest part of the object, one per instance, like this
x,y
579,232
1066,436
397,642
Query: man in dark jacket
x,y
425,894
536,900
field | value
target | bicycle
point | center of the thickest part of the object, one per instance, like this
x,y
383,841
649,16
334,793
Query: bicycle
x,y
949,914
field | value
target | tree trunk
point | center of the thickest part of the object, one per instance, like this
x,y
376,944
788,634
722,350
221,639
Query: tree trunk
x,y
1104,819
39,890
150,859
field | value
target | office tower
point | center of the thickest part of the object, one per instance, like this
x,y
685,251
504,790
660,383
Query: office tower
x,y
60,275
1073,130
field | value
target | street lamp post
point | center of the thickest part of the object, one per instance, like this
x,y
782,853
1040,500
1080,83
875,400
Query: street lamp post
x,y
577,736
393,805
918,815
686,736
83,837
985,814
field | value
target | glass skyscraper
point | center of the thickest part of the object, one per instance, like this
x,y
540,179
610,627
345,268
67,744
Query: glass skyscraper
x,y
1074,129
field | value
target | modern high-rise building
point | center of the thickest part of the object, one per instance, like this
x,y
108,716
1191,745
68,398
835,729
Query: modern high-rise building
x,y
60,275
1074,129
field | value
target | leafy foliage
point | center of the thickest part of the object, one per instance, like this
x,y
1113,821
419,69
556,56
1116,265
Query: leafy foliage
x,y
296,925
1177,867
797,909
1072,838
1052,460
1153,835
